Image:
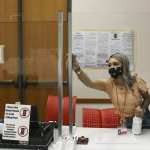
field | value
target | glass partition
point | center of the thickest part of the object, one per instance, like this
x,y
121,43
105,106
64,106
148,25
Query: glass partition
x,y
28,31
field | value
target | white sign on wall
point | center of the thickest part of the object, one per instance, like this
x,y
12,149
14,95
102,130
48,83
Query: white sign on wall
x,y
93,48
16,122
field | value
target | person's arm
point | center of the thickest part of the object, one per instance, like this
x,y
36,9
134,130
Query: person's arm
x,y
143,89
139,111
146,100
98,84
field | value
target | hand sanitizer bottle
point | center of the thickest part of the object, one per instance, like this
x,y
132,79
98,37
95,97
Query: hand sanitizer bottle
x,y
137,125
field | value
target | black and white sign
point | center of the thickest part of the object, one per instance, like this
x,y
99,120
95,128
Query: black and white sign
x,y
16,122
93,48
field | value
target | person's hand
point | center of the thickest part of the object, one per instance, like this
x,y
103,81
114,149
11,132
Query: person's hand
x,y
139,112
75,64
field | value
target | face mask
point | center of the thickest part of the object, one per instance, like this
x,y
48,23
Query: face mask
x,y
115,72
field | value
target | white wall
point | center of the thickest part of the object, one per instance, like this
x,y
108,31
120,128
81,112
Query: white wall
x,y
114,14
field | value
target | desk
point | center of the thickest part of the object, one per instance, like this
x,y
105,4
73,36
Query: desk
x,y
107,139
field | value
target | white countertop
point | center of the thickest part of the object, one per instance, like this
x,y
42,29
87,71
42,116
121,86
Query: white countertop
x,y
108,139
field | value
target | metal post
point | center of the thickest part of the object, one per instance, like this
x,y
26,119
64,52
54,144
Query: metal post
x,y
20,78
60,70
70,64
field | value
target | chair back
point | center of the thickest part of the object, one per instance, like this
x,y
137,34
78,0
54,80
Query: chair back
x,y
100,118
91,118
110,118
52,109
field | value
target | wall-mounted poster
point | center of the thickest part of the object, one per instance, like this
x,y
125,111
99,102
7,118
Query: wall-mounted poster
x,y
93,48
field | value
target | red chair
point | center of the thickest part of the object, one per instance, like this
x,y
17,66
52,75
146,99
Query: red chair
x,y
100,118
52,109
91,118
110,118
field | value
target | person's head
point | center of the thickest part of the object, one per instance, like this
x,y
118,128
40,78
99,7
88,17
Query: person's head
x,y
118,64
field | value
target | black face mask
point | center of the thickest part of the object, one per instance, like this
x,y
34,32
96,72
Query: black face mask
x,y
115,72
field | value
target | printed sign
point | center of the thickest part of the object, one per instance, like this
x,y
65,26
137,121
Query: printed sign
x,y
93,48
16,122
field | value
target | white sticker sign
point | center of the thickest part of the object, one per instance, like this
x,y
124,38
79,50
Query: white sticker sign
x,y
16,122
